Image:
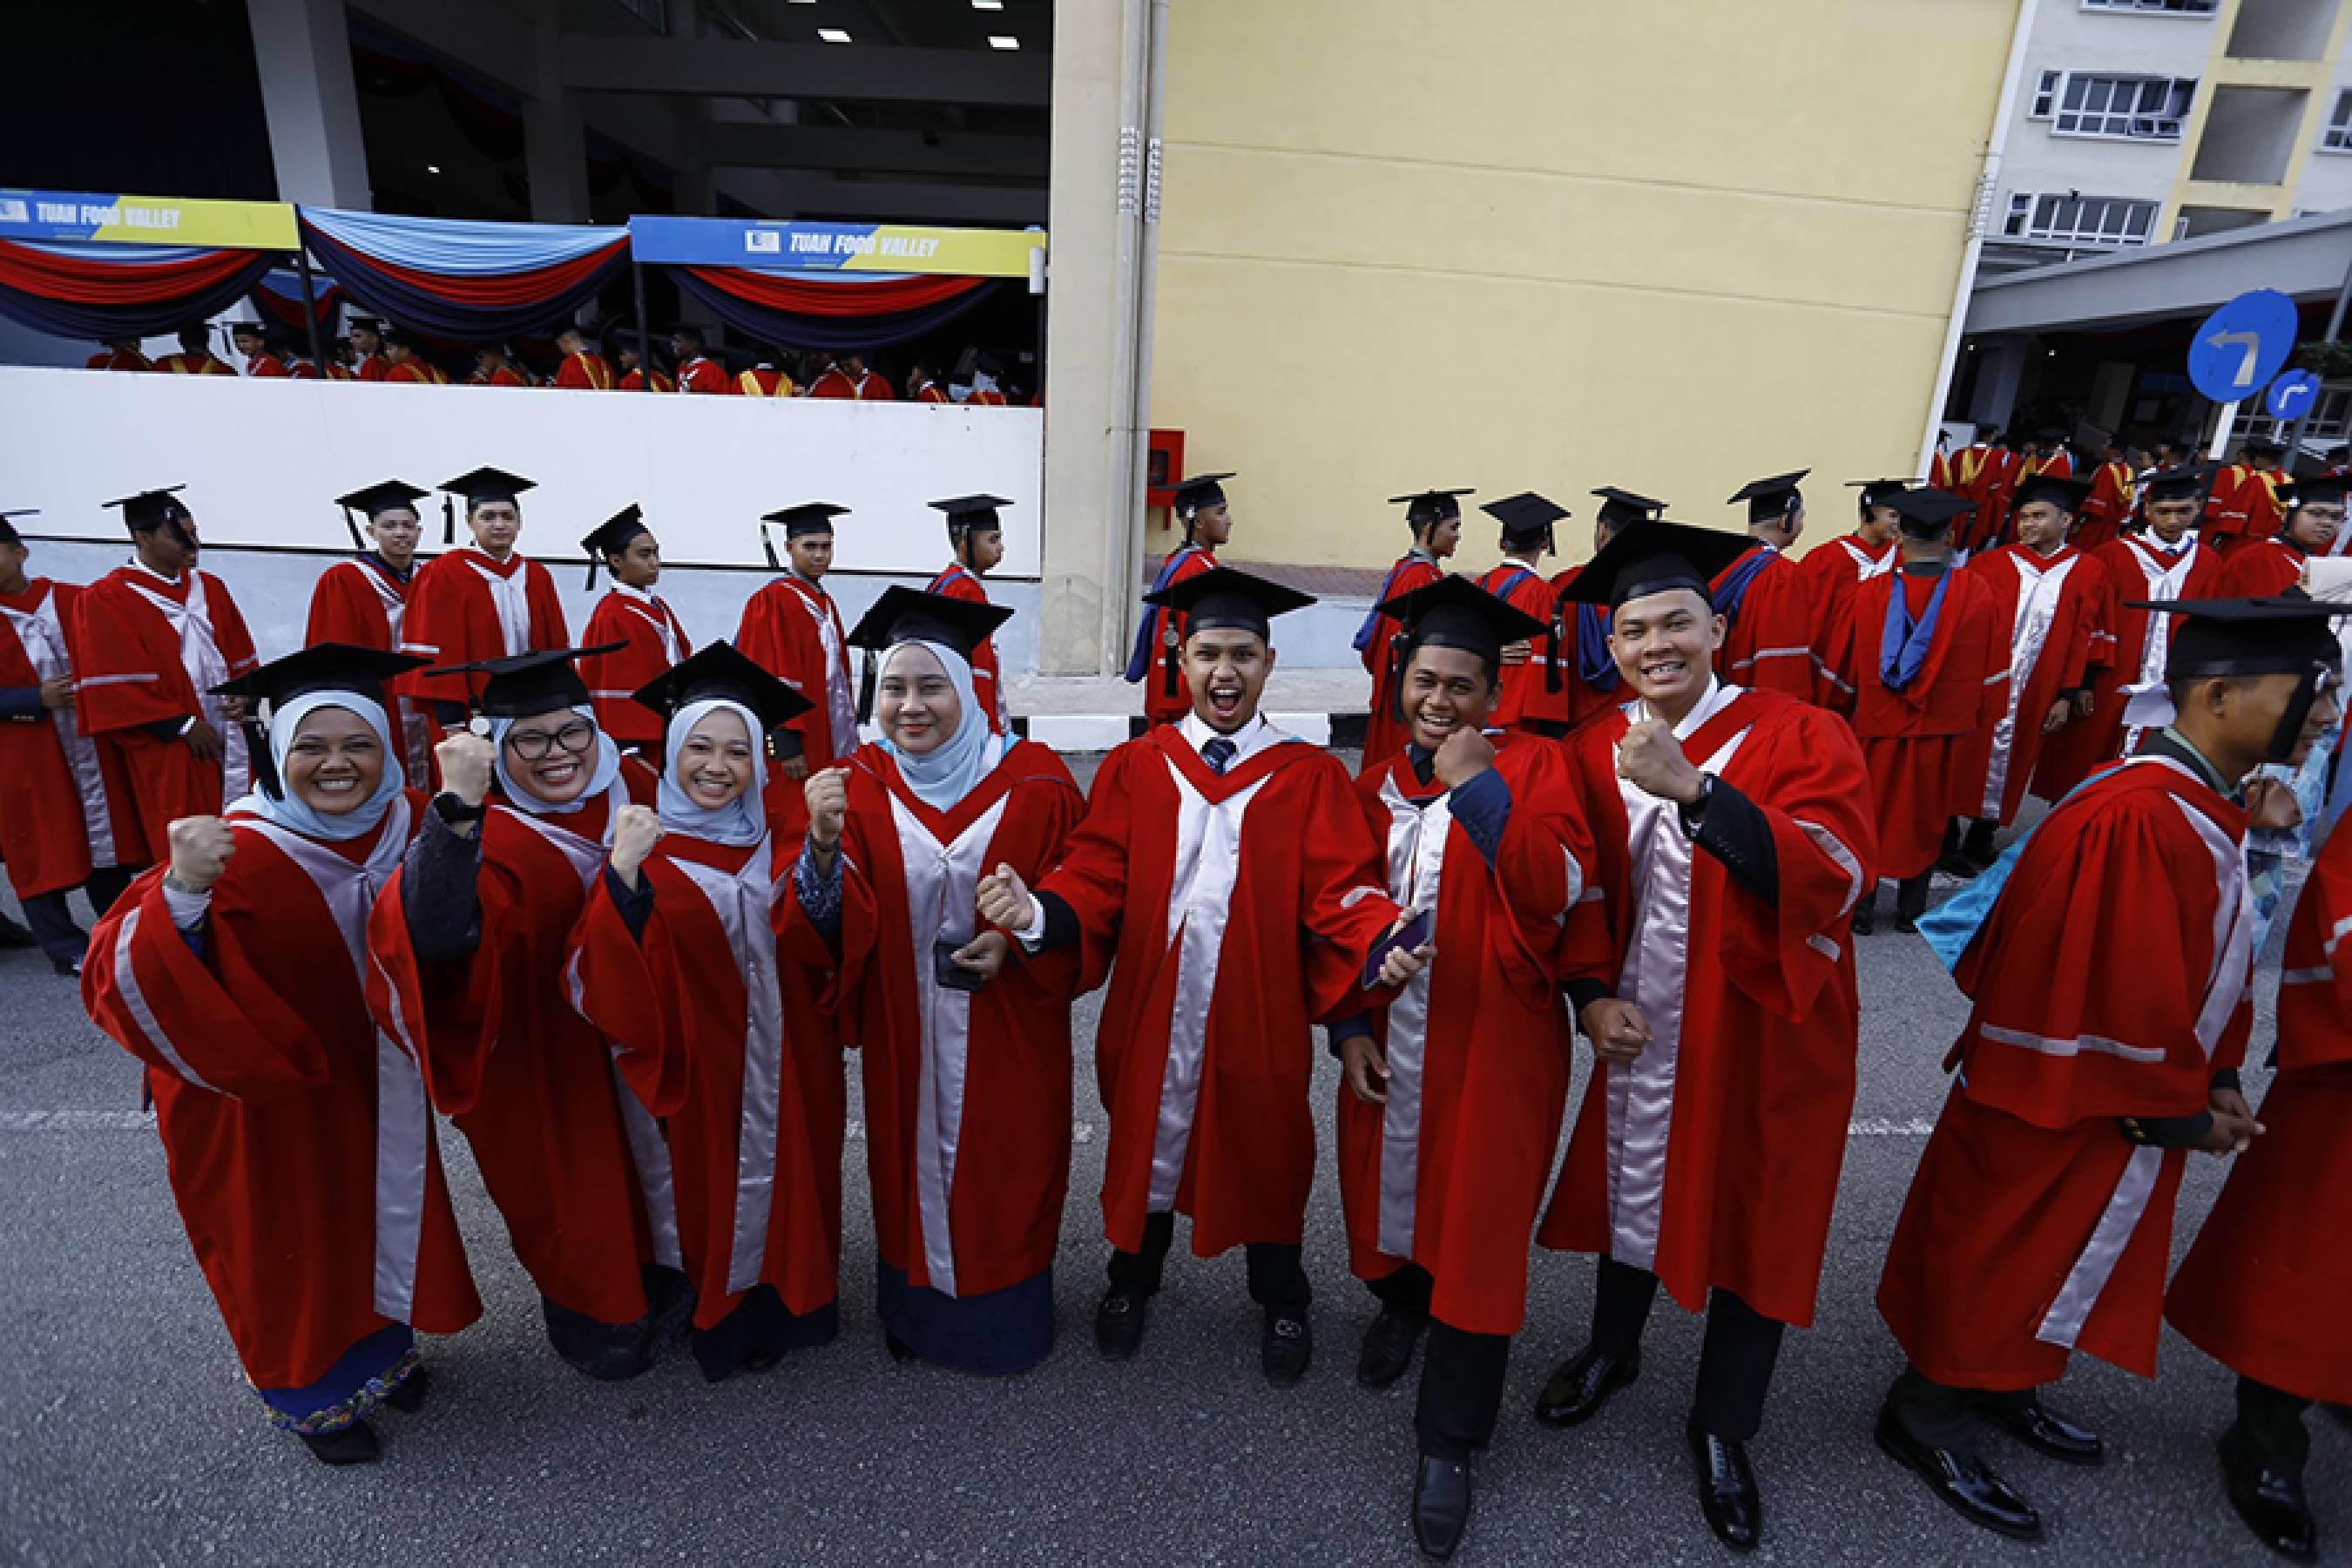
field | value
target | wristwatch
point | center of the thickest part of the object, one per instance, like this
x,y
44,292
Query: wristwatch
x,y
1690,811
453,811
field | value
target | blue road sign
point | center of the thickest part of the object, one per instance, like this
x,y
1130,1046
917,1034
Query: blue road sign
x,y
2242,344
2291,395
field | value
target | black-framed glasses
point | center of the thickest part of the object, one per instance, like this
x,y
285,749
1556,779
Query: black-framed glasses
x,y
532,745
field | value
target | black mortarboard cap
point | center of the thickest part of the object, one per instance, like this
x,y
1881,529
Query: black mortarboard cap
x,y
1652,557
1526,516
1455,612
2318,488
368,323
2286,634
1223,597
1771,498
373,499
1199,491
2265,446
256,327
719,672
1928,513
2067,494
2189,481
611,537
1425,506
8,534
1879,492
1619,507
322,667
907,615
971,511
486,484
150,509
527,683
809,517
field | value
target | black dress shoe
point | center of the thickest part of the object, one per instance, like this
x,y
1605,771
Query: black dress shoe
x,y
353,1445
71,971
1865,917
1582,1385
1119,1324
1388,1347
1972,1491
1910,902
1977,847
1440,1505
2273,1505
1727,1488
2038,1429
1285,1349
1954,864
409,1398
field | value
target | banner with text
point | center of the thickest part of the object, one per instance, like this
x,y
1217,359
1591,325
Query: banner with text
x,y
145,220
834,246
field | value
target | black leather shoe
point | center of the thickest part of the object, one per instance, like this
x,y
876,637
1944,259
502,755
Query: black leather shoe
x,y
409,1398
1388,1347
1954,864
71,971
2273,1505
1119,1324
2038,1429
1865,916
1977,847
1727,1488
1285,1349
1582,1385
1441,1505
353,1445
1972,1491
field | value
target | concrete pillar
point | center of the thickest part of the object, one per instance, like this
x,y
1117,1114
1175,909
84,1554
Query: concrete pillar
x,y
555,149
1994,401
1092,503
303,50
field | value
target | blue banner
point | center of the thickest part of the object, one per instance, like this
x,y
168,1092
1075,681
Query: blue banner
x,y
789,247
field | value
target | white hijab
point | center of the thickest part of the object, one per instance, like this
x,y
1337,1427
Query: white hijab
x,y
742,820
951,770
298,816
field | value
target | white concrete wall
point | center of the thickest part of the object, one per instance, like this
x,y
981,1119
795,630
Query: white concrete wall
x,y
2066,37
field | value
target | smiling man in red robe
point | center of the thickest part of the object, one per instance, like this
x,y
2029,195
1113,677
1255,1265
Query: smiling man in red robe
x,y
1200,505
1434,518
792,628
652,640
479,601
364,602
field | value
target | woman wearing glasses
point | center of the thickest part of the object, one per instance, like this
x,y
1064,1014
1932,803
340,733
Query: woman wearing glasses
x,y
469,944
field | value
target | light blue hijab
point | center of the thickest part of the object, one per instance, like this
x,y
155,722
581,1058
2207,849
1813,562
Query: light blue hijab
x,y
297,816
951,770
600,777
742,820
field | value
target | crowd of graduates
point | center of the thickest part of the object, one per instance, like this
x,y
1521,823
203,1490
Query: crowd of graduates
x,y
619,908
579,359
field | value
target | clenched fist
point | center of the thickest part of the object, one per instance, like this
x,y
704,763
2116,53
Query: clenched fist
x,y
57,691
201,847
1652,761
1005,900
827,794
1617,1029
466,762
1461,757
635,830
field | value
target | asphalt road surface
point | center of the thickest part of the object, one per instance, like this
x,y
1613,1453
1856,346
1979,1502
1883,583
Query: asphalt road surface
x,y
127,1436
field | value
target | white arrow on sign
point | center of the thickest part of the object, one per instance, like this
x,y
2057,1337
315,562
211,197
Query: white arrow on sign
x,y
2250,342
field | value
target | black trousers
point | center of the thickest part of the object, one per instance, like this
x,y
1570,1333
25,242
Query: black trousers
x,y
1943,1416
52,922
1462,1373
2269,1432
1735,1364
1277,1281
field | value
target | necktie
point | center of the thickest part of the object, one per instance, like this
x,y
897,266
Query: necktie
x,y
1219,755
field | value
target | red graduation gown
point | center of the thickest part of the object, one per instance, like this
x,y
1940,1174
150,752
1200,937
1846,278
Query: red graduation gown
x,y
1924,744
144,651
584,371
463,607
1219,968
1450,1173
296,1135
792,629
65,803
1525,590
2104,512
2127,649
1384,732
1166,696
1769,646
2051,605
2264,567
967,1094
2034,1226
1832,571
1576,700
718,1030
578,1167
653,641
360,601
987,675
1712,1160
2267,1289
705,376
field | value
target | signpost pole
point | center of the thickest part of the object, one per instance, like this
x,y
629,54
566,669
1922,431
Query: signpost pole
x,y
644,349
2222,432
309,309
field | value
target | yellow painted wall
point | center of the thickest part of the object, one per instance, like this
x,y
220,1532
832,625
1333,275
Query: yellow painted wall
x,y
1548,245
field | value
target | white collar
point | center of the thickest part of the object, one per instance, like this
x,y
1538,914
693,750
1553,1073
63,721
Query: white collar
x,y
1249,740
642,595
142,565
1714,700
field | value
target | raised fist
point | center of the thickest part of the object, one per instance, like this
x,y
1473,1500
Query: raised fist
x,y
1005,902
1461,757
1652,761
827,794
635,830
201,847
466,762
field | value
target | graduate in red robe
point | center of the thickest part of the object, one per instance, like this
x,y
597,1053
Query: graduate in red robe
x,y
2046,597
1733,840
848,379
792,628
1922,649
1155,662
976,535
1526,523
1434,518
622,341
2110,505
966,1056
494,367
481,600
65,818
196,356
1988,484
150,642
404,351
367,350
2243,506
697,370
1768,614
923,384
119,353
296,1133
651,639
2262,567
718,1022
1451,1104
364,601
1579,676
582,368
2040,1220
2267,1288
1834,570
1221,958
468,944
262,363
2167,562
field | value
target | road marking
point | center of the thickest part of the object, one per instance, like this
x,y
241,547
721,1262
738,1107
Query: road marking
x,y
1886,1127
76,1120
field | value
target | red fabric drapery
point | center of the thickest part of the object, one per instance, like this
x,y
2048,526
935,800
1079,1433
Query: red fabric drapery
x,y
130,282
833,297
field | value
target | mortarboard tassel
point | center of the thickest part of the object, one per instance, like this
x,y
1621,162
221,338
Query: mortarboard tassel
x,y
768,548
352,528
1559,631
265,767
865,690
449,521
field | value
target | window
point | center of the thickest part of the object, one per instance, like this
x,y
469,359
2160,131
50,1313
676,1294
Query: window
x,y
2129,108
2338,135
2067,217
2156,8
2045,97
